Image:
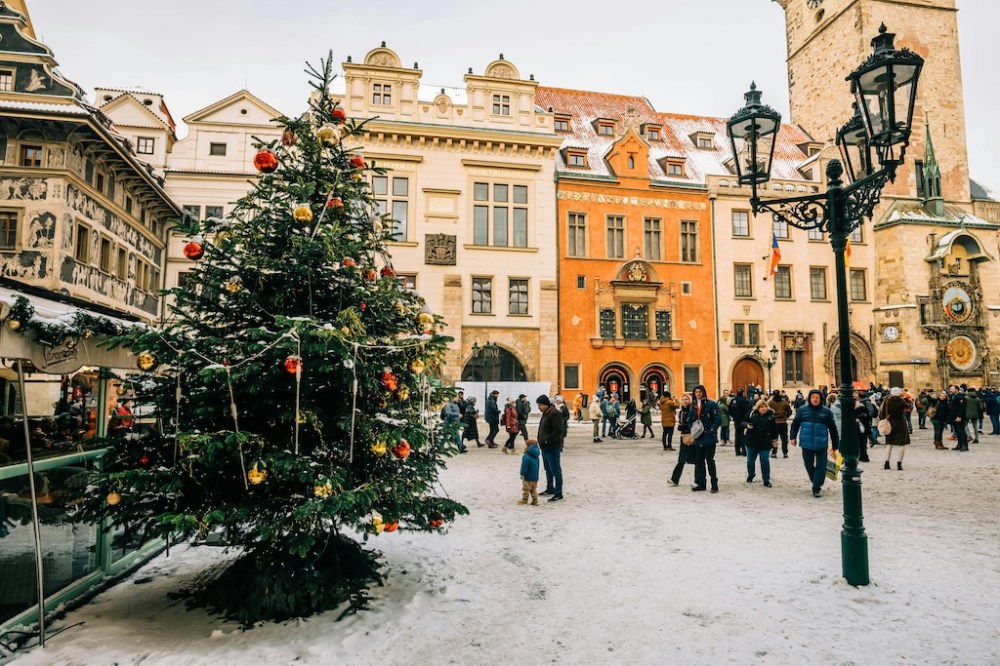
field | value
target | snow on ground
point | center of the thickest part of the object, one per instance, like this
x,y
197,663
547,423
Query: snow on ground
x,y
626,570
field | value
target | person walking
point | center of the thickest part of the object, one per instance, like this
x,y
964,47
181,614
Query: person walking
x,y
799,399
578,407
595,417
529,473
668,419
864,422
512,424
938,414
469,419
818,429
782,412
686,450
760,433
724,428
957,408
606,415
992,401
550,441
921,403
491,414
523,410
560,404
739,410
452,415
614,412
704,420
974,409
646,418
907,410
894,409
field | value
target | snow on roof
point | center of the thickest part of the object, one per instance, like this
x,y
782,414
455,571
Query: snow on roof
x,y
134,90
914,211
70,109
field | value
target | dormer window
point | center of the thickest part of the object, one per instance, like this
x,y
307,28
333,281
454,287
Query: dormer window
x,y
381,94
501,105
810,148
605,128
704,140
652,132
562,123
576,158
674,167
6,80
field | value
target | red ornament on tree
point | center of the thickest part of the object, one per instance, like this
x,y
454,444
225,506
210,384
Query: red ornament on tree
x,y
339,115
348,262
388,272
288,138
335,202
391,525
293,364
371,275
194,249
144,460
389,379
437,520
402,450
265,161
358,162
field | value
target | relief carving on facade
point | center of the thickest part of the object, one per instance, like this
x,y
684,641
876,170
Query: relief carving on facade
x,y
25,265
86,206
500,72
34,189
440,249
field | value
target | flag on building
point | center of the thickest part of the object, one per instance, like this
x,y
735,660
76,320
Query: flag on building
x,y
775,255
847,253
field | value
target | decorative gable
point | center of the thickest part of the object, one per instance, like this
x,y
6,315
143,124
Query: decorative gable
x,y
630,156
240,108
27,67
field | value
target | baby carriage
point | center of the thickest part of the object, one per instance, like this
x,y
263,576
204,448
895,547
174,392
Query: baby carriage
x,y
626,430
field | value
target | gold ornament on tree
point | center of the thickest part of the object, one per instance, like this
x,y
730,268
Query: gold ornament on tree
x,y
323,490
256,475
302,213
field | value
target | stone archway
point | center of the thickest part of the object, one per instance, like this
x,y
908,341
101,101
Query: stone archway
x,y
746,372
617,378
655,378
504,366
862,360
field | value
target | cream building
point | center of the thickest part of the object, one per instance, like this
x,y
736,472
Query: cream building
x,y
471,185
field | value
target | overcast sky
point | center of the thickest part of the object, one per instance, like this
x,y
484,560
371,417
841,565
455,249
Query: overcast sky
x,y
686,56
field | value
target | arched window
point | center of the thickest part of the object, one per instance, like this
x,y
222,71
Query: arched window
x,y
501,367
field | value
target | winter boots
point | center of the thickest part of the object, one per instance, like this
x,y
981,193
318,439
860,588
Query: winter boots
x,y
939,445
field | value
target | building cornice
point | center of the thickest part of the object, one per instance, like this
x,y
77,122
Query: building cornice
x,y
460,133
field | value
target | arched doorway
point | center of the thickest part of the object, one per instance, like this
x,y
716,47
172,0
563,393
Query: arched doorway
x,y
747,371
836,368
654,379
616,380
862,360
501,366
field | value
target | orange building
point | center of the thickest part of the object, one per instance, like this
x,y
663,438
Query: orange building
x,y
635,256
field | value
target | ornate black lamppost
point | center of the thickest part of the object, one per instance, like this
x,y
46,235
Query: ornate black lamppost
x,y
768,362
487,356
885,88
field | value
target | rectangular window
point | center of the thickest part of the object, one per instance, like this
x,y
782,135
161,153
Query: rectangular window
x,y
185,280
675,168
121,268
105,259
571,376
143,275
780,228
518,302
145,145
918,169
577,159
753,335
482,295
652,238
663,330
856,236
217,149
382,94
692,377
705,142
82,250
859,291
408,280
8,230
31,156
100,182
616,237
653,134
88,171
6,80
508,217
741,223
635,321
743,280
815,235
111,186
608,323
689,241
562,125
213,211
576,240
739,335
783,282
817,283
794,365
190,212
581,281
501,105
398,203
606,129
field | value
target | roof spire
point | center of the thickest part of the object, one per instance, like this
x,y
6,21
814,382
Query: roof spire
x,y
931,175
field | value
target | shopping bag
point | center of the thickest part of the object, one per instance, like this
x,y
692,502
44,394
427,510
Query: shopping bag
x,y
834,461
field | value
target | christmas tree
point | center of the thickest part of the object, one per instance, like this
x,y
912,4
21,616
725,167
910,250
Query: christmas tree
x,y
291,384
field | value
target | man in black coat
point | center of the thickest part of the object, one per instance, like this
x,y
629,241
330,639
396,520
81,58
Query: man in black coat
x,y
523,410
956,416
492,415
550,441
739,410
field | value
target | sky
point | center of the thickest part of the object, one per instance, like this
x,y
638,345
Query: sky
x,y
685,56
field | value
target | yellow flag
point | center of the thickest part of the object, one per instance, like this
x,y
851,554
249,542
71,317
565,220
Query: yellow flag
x,y
847,253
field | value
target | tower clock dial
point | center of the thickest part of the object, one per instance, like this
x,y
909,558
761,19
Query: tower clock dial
x,y
957,304
890,333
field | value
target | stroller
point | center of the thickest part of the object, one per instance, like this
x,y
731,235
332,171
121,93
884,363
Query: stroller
x,y
626,430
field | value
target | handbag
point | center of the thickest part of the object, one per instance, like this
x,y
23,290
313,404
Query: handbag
x,y
884,427
687,439
931,412
697,429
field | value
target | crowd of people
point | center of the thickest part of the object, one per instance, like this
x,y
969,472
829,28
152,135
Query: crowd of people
x,y
758,426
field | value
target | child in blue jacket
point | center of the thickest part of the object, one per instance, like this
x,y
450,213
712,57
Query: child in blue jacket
x,y
529,472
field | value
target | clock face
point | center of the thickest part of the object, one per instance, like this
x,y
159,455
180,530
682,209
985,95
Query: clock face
x,y
890,333
957,304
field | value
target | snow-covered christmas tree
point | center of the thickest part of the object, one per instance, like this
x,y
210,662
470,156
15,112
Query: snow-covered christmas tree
x,y
292,387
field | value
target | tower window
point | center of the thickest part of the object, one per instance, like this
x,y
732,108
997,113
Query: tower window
x,y
382,94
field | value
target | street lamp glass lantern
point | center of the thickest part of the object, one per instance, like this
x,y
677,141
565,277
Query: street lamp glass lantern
x,y
852,139
885,87
752,132
774,354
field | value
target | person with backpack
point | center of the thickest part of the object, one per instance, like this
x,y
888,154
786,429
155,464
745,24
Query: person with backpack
x,y
512,424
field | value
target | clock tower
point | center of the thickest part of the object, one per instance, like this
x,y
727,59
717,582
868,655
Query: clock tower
x,y
829,38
